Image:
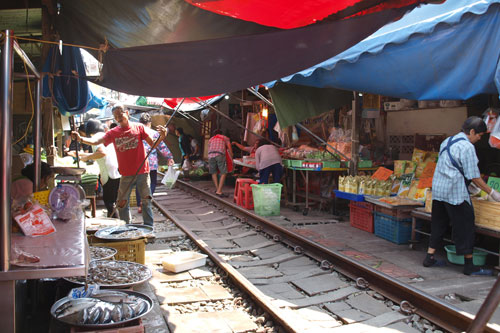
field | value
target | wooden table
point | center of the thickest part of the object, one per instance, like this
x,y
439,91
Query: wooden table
x,y
420,215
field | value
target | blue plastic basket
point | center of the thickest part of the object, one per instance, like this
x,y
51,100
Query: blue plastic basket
x,y
349,196
393,229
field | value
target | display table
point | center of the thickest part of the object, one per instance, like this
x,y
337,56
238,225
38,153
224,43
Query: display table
x,y
420,215
62,254
304,172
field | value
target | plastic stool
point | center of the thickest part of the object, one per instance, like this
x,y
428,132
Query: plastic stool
x,y
240,182
245,196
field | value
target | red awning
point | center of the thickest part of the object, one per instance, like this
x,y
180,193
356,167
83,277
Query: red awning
x,y
190,103
288,14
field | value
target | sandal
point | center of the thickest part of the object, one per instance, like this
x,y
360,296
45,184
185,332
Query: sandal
x,y
481,272
222,195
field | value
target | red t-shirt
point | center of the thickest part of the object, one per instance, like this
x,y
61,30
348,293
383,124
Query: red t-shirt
x,y
129,148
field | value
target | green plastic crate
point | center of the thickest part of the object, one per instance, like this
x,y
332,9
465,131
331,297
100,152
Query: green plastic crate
x,y
363,164
331,164
478,257
293,163
266,199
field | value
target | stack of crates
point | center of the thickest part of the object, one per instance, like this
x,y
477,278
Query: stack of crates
x,y
393,224
361,215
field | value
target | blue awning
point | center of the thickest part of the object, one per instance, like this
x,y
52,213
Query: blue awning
x,y
437,51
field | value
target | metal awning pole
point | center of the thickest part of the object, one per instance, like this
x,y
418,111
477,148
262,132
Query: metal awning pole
x,y
229,118
5,149
186,115
486,310
37,135
263,98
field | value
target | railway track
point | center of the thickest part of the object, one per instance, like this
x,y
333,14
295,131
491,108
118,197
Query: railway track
x,y
303,286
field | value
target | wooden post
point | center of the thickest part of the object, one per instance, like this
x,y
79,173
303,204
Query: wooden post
x,y
356,124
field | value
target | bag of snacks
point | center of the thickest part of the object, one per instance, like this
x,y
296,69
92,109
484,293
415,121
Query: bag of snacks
x,y
418,156
410,167
399,167
405,185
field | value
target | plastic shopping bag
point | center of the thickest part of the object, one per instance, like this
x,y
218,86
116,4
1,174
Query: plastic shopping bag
x,y
170,177
495,136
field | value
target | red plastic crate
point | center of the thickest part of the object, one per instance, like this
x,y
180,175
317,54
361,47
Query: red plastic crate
x,y
361,215
134,326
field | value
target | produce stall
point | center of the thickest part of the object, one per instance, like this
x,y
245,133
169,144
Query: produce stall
x,y
390,196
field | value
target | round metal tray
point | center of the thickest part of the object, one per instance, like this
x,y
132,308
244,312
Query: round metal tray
x,y
113,233
106,257
131,266
62,301
96,223
68,171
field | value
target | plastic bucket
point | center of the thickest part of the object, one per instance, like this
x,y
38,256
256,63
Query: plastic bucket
x,y
266,199
478,257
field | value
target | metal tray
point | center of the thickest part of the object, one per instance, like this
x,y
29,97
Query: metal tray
x,y
112,233
68,171
96,223
131,266
115,251
63,300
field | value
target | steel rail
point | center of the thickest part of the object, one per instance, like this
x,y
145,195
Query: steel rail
x,y
409,298
236,277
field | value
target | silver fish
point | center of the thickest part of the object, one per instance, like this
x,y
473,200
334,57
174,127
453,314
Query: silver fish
x,y
128,311
94,315
116,313
111,296
83,316
74,306
140,307
105,316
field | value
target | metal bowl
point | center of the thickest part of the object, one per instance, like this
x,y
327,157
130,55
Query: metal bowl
x,y
130,266
64,300
68,171
113,233
114,251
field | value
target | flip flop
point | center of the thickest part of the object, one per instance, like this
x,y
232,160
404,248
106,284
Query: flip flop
x,y
222,195
439,263
482,272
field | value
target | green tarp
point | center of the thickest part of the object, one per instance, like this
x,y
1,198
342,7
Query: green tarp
x,y
295,103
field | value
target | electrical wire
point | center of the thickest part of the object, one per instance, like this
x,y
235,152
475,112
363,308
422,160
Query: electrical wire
x,y
32,105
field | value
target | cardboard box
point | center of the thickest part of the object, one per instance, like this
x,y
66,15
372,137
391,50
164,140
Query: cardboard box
x,y
392,106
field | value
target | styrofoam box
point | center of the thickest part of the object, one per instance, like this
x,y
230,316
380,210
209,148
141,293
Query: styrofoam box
x,y
182,261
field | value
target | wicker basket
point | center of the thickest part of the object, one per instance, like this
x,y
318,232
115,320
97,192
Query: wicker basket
x,y
487,213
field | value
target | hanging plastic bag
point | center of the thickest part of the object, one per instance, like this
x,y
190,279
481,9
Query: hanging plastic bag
x,y
186,165
495,136
170,177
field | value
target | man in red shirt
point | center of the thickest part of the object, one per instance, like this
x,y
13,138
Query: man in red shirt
x,y
127,140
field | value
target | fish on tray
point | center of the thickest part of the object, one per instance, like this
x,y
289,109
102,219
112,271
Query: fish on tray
x,y
103,308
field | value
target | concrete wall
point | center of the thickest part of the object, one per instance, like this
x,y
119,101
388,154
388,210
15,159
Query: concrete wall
x,y
426,121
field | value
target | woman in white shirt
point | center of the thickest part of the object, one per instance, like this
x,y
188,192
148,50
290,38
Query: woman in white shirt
x,y
105,156
267,161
